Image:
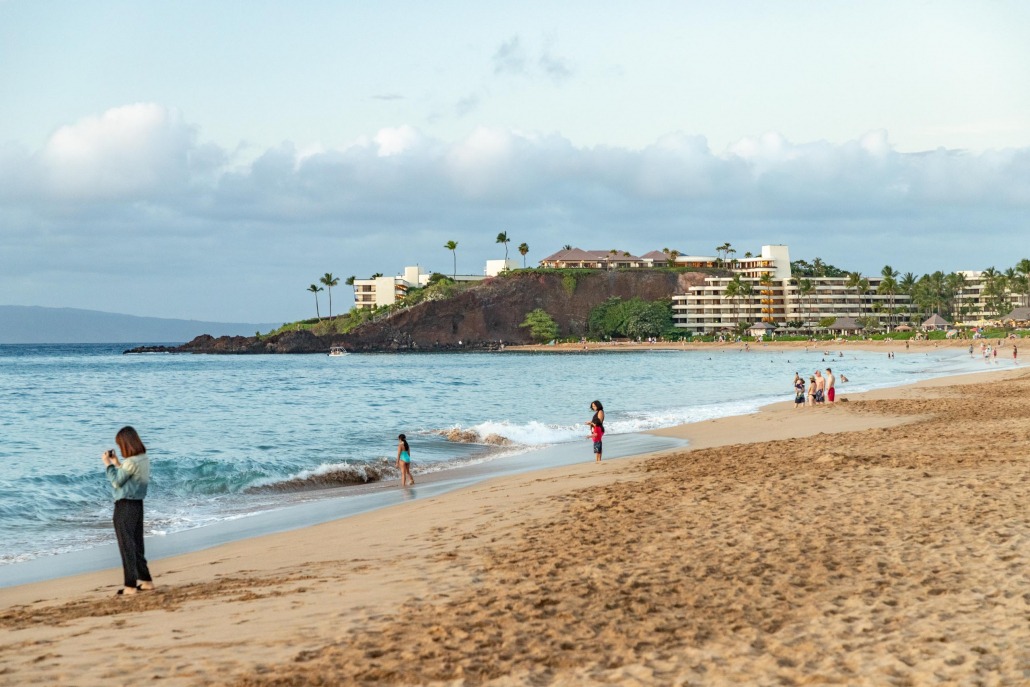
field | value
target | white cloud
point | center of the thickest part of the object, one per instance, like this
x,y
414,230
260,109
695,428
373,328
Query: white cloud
x,y
138,174
397,140
126,152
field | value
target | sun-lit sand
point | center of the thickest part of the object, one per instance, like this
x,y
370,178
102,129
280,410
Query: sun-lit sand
x,y
884,541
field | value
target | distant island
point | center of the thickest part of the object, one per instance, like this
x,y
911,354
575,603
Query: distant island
x,y
37,325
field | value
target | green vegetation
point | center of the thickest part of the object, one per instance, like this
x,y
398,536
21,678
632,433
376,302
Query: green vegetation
x,y
542,326
568,282
816,268
633,318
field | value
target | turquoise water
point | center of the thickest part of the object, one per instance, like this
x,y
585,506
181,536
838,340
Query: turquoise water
x,y
234,436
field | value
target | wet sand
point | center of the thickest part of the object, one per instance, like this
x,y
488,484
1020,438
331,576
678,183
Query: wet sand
x,y
884,541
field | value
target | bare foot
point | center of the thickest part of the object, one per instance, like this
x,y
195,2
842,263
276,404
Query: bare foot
x,y
127,591
145,586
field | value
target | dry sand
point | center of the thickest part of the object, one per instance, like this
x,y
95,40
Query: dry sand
x,y
884,541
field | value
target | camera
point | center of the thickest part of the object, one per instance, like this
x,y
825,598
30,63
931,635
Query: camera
x,y
109,453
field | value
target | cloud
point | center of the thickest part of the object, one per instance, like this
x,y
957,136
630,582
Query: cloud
x,y
139,178
126,152
510,58
467,105
387,96
513,59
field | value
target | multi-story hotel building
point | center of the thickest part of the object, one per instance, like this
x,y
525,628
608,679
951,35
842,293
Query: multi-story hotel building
x,y
772,295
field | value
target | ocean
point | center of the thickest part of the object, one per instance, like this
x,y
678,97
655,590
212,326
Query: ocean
x,y
239,444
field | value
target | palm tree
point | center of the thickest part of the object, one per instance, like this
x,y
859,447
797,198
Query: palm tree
x,y
729,252
1023,268
934,290
524,250
329,281
567,246
314,288
350,280
889,286
818,267
720,252
503,238
860,284
995,284
955,282
734,292
452,246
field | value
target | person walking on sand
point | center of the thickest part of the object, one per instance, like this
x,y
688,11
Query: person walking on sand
x,y
799,390
596,433
831,393
404,460
129,479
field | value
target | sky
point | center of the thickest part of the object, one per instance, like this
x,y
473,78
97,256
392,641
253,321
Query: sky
x,y
211,160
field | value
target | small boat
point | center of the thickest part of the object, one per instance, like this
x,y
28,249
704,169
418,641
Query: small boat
x,y
336,351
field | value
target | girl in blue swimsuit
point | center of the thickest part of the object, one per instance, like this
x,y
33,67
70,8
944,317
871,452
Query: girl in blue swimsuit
x,y
404,460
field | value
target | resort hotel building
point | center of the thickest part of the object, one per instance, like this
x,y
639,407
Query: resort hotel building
x,y
762,293
376,292
756,291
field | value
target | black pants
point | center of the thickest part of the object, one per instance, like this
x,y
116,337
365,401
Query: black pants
x,y
128,527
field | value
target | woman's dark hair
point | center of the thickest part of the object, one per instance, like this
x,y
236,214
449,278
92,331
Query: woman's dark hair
x,y
129,442
404,440
598,404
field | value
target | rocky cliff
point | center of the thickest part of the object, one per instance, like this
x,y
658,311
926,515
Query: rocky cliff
x,y
480,318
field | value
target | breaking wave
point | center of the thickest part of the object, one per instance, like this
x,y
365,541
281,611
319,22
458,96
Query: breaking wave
x,y
327,476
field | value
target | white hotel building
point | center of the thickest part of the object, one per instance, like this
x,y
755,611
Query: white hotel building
x,y
375,293
706,309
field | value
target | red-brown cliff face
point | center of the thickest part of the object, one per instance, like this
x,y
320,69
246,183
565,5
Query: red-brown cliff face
x,y
492,311
484,316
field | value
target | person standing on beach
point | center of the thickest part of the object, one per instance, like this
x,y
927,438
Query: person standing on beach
x,y
799,390
598,414
831,393
129,478
820,387
404,460
811,390
596,434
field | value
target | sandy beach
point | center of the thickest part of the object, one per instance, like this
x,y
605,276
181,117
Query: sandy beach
x,y
883,541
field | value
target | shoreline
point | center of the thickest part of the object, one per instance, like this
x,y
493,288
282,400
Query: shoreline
x,y
807,500
873,346
326,505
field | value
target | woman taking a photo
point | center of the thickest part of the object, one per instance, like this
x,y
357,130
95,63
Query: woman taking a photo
x,y
129,478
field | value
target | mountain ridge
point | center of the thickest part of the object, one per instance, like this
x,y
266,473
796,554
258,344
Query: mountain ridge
x,y
33,324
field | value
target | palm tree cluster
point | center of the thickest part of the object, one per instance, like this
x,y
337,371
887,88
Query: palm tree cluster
x,y
328,281
502,238
945,294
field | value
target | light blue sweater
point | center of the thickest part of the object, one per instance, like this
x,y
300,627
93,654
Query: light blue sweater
x,y
131,479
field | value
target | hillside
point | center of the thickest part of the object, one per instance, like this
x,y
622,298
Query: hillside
x,y
33,325
492,312
481,317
